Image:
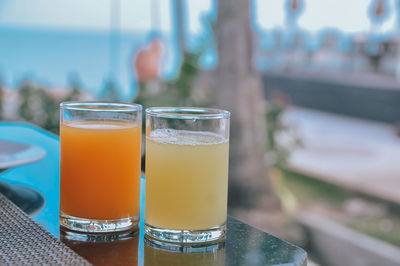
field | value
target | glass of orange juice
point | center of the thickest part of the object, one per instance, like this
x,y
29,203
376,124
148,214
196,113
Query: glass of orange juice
x,y
100,148
186,174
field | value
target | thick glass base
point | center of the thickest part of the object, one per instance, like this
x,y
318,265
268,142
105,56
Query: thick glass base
x,y
67,235
98,226
213,234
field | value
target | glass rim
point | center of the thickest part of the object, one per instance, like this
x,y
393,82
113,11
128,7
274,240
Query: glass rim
x,y
187,113
100,106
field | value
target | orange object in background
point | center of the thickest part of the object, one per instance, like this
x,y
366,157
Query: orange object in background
x,y
100,169
147,61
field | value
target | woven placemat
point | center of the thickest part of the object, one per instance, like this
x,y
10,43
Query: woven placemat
x,y
25,242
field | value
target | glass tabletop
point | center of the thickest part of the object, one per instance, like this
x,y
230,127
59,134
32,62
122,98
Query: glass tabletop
x,y
244,245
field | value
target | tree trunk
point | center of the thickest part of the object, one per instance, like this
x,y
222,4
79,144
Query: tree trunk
x,y
238,88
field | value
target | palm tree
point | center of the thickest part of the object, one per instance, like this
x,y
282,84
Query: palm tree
x,y
238,88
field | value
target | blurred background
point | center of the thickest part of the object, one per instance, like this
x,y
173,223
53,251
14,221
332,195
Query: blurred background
x,y
313,87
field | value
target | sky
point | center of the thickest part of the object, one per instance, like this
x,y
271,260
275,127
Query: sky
x,y
346,15
95,14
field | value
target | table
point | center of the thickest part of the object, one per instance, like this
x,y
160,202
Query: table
x,y
244,245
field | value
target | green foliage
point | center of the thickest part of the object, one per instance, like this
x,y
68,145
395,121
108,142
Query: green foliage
x,y
309,190
75,93
376,227
39,107
182,85
176,92
279,153
36,105
110,92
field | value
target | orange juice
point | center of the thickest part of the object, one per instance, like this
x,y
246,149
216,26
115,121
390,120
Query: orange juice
x,y
100,169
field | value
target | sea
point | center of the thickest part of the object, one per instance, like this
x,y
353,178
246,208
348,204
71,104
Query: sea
x,y
52,57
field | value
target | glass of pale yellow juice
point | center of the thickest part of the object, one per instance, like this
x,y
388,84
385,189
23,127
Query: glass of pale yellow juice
x,y
186,174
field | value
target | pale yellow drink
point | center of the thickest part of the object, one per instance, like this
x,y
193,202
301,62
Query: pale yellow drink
x,y
186,179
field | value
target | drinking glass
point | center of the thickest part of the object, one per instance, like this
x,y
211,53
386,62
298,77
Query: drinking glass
x,y
100,166
186,174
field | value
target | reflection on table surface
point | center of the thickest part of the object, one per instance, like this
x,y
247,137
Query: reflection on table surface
x,y
159,255
244,245
105,249
124,249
